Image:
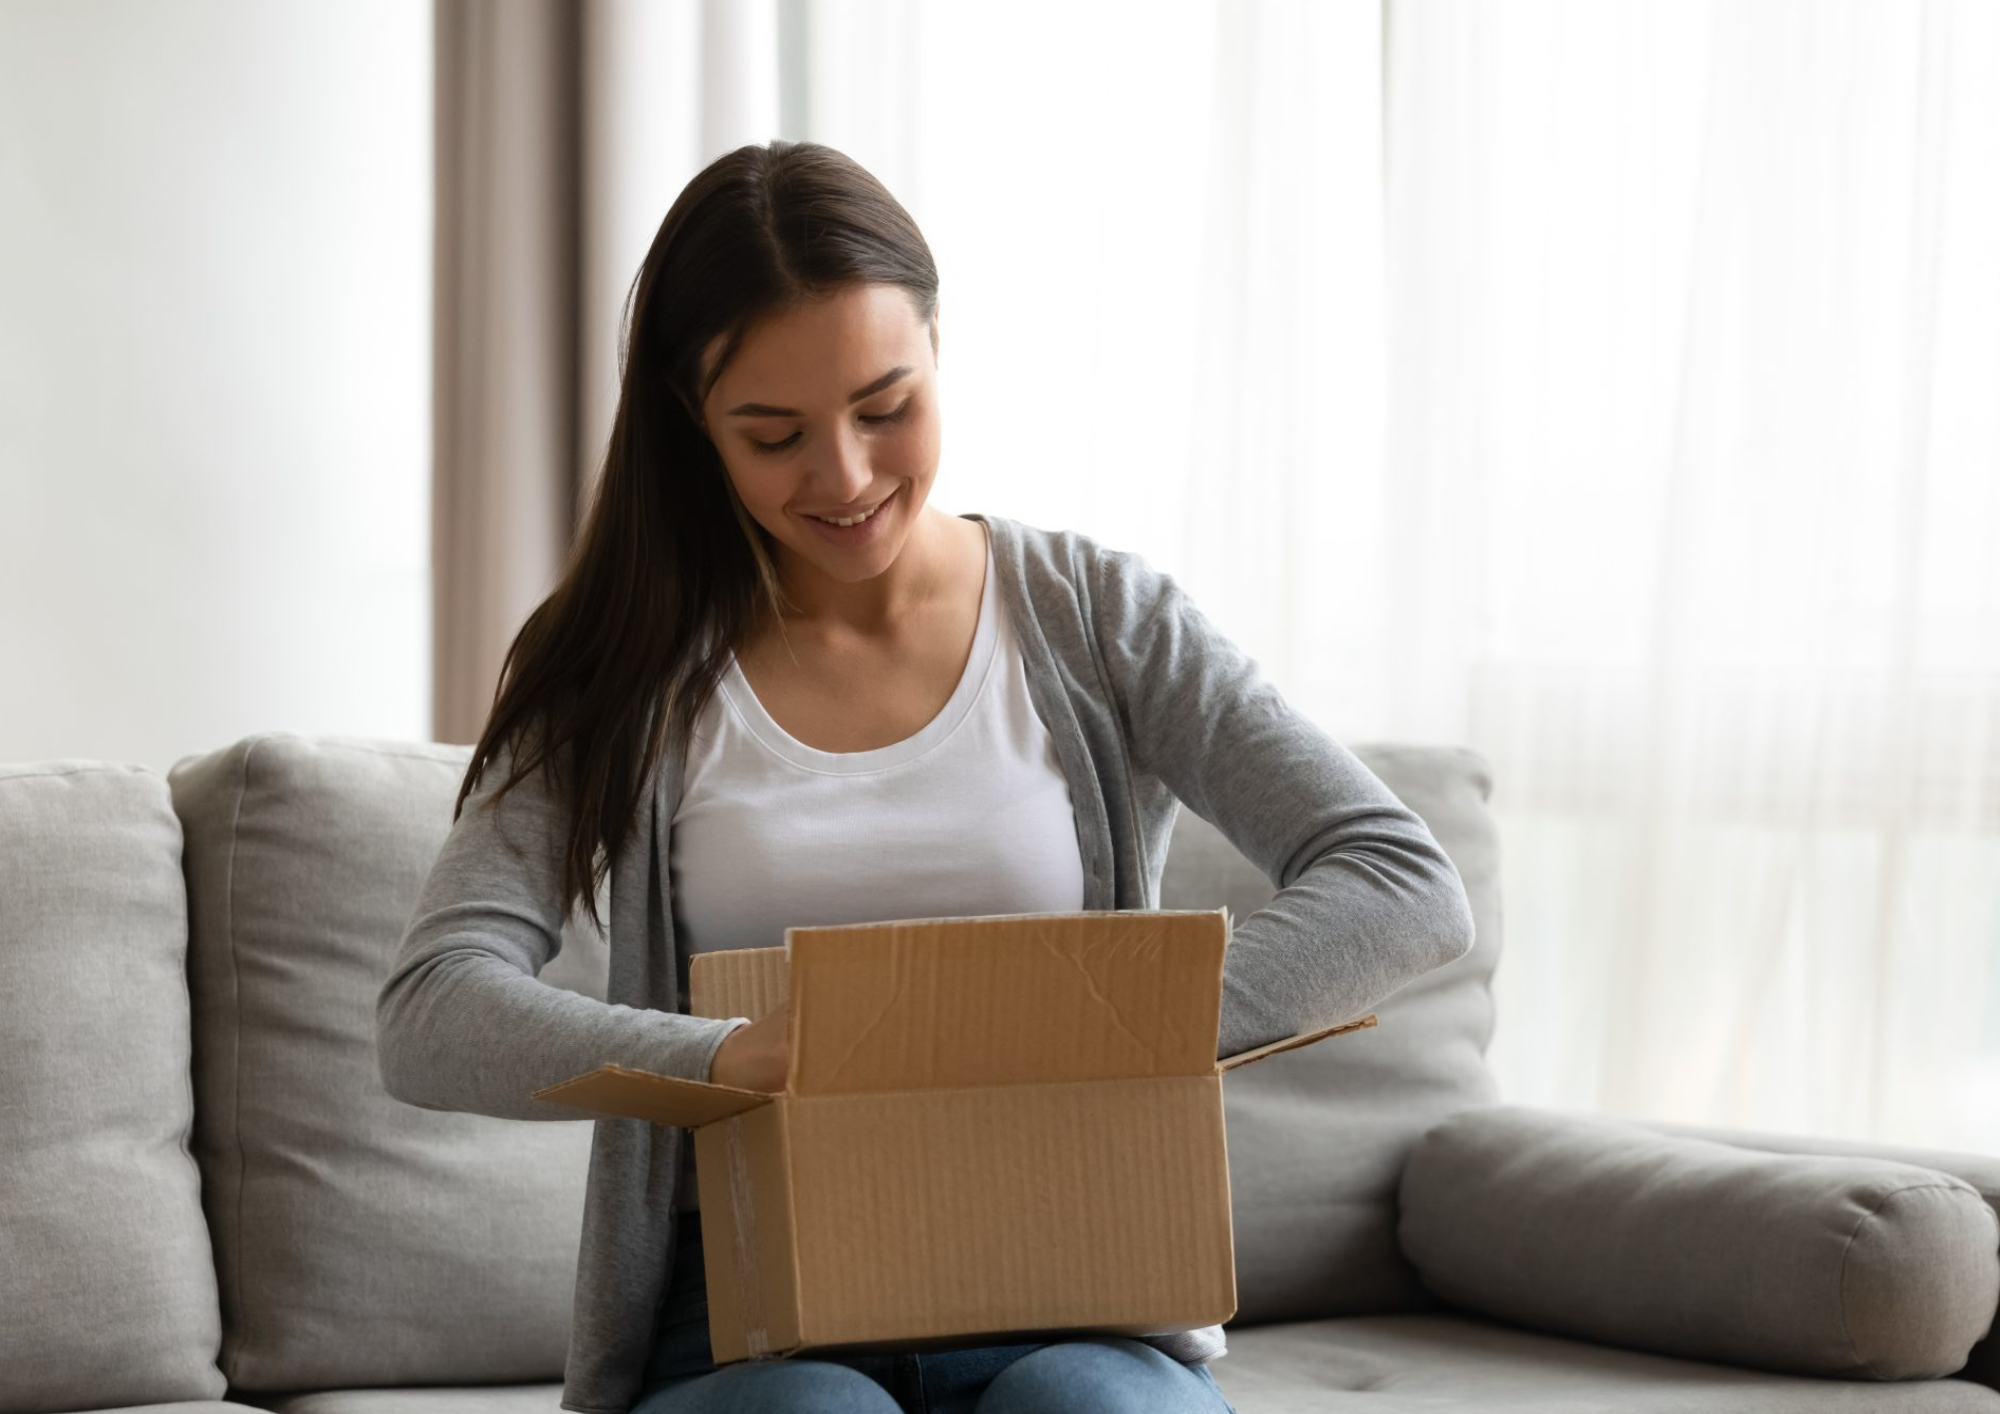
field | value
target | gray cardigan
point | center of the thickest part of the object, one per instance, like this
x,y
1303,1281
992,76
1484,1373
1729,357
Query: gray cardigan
x,y
1148,704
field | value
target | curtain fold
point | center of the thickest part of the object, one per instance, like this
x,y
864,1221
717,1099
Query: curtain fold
x,y
505,272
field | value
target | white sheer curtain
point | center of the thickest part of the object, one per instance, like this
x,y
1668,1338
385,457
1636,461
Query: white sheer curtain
x,y
1695,322
1638,426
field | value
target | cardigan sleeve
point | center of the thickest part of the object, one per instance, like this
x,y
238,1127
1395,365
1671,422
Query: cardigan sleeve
x,y
463,1021
1367,900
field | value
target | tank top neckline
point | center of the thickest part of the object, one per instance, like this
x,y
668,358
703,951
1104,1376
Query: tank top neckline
x,y
743,701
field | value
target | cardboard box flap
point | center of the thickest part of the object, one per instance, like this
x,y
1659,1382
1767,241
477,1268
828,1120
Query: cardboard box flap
x,y
664,1099
1289,1043
736,982
1005,1000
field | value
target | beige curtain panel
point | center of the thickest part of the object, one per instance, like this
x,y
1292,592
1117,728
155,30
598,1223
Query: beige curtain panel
x,y
564,132
504,428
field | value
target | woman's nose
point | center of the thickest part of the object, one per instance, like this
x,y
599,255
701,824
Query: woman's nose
x,y
843,473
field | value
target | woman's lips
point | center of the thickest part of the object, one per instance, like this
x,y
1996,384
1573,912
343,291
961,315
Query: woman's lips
x,y
855,534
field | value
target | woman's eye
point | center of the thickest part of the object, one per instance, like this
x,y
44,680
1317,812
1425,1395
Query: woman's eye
x,y
896,416
877,418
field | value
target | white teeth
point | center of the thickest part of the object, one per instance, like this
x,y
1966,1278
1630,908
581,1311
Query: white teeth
x,y
852,520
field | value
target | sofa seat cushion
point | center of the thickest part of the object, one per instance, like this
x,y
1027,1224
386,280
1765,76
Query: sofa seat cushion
x,y
1408,1363
441,1399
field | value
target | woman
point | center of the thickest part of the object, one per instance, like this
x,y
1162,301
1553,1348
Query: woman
x,y
774,687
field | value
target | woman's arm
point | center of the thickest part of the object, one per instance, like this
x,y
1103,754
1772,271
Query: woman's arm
x,y
1367,900
463,1022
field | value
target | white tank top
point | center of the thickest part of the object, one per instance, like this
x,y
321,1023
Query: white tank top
x,y
970,816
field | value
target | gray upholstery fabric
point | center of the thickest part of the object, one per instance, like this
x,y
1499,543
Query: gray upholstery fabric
x,y
1426,1364
1317,1136
107,1292
1836,1266
493,1399
358,1240
1982,1171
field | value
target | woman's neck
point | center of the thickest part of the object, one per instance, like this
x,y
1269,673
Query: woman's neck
x,y
925,573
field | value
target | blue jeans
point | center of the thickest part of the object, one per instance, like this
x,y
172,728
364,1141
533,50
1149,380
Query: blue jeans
x,y
1100,1374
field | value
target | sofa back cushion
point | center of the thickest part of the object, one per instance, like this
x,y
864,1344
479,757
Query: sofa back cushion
x,y
107,1289
359,1240
1318,1136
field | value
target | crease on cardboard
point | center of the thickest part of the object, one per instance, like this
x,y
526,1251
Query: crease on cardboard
x,y
757,1336
831,1076
1117,1016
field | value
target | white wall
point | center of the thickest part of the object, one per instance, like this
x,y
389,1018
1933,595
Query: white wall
x,y
215,223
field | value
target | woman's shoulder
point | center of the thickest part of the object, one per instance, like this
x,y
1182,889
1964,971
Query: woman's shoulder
x,y
1074,559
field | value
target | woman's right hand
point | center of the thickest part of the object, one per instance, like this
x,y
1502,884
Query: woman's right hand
x,y
757,1056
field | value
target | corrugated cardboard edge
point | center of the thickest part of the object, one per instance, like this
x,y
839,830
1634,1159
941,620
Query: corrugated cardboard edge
x,y
615,1089
748,982
1290,1043
741,1240
748,1245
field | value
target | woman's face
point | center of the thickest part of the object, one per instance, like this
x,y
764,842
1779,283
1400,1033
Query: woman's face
x,y
827,412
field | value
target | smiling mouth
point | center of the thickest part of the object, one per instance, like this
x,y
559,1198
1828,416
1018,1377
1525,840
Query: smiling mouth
x,y
856,519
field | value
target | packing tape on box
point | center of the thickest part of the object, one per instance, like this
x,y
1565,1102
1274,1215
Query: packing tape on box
x,y
755,1336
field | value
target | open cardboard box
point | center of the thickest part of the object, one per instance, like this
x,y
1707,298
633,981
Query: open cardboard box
x,y
994,1129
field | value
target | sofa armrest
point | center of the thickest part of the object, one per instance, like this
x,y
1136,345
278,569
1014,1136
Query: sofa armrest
x,y
1608,1230
1982,1171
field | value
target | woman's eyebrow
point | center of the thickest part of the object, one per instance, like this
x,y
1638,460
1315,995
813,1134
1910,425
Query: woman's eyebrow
x,y
901,370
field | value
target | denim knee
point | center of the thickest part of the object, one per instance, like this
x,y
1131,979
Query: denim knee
x,y
762,1386
1101,1375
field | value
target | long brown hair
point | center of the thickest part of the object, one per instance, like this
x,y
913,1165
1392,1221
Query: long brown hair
x,y
665,572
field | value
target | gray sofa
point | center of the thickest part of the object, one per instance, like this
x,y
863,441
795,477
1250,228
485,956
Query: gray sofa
x,y
207,1200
